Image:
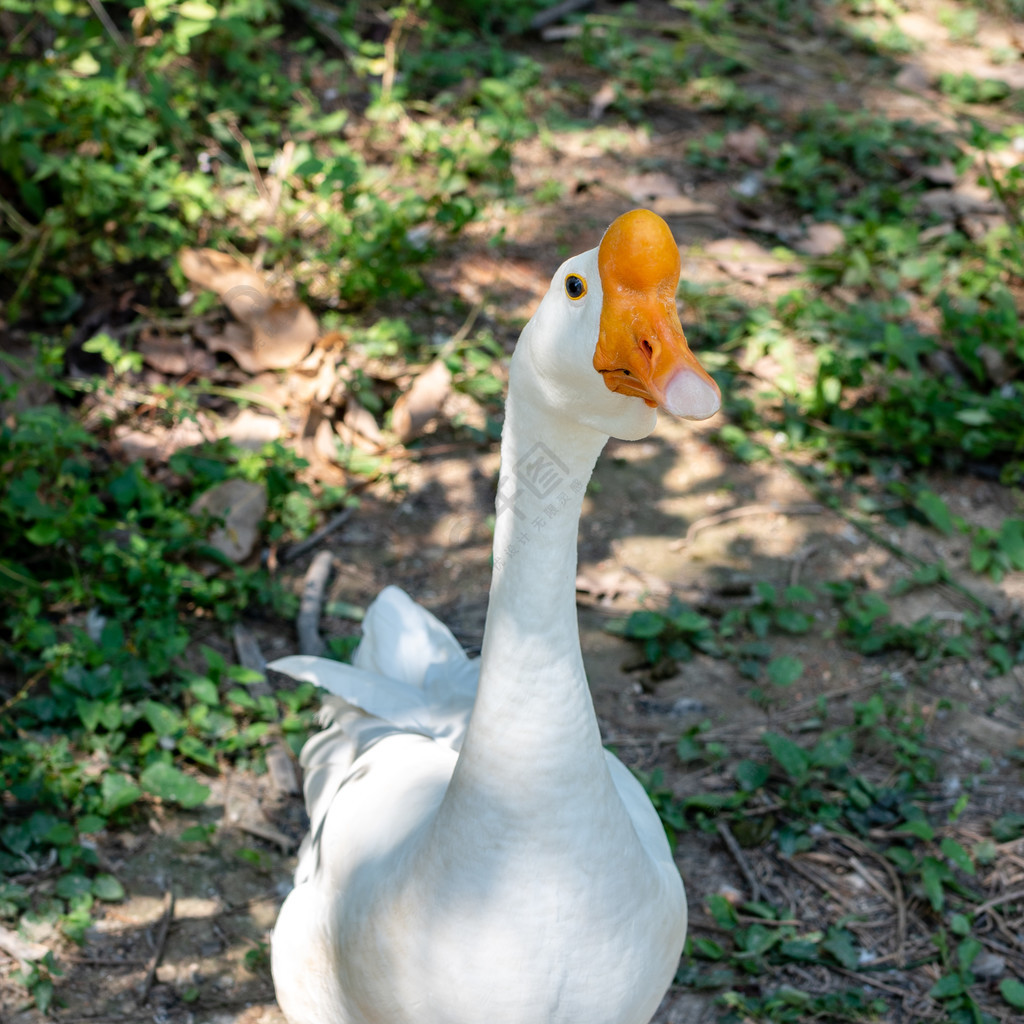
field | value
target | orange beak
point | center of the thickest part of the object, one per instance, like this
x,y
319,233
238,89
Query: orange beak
x,y
641,349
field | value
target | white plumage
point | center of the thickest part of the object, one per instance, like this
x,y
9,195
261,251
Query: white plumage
x,y
474,855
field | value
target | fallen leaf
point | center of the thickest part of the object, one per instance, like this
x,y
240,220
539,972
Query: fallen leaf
x,y
277,341
653,185
942,173
913,78
325,444
281,769
602,100
358,418
241,506
822,239
957,202
174,355
241,287
19,949
252,430
422,402
157,443
744,259
272,333
748,145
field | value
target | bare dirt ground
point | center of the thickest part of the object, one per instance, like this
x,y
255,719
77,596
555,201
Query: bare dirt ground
x,y
204,960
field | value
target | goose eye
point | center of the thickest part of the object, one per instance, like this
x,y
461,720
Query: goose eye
x,y
575,286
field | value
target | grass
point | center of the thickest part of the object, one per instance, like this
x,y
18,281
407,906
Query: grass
x,y
345,150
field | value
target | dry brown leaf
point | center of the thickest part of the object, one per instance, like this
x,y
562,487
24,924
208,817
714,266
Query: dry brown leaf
x,y
358,418
174,355
277,340
19,949
822,239
642,188
748,145
272,333
422,402
744,259
252,430
602,100
241,288
157,443
241,505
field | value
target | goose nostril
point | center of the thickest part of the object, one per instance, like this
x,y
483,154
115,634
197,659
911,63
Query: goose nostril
x,y
645,347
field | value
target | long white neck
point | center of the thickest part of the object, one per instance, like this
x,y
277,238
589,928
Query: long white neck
x,y
533,736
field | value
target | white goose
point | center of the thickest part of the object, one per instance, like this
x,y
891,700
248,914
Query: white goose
x,y
499,866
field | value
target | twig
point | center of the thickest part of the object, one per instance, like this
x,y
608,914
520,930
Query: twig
x,y
876,537
556,13
896,897
756,892
273,198
22,693
308,619
1007,897
334,523
250,161
161,941
112,30
739,513
101,961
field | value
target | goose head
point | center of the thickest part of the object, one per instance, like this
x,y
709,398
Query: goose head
x,y
605,346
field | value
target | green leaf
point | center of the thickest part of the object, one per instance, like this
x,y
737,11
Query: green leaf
x,y
920,828
644,625
792,758
169,783
933,874
708,949
1008,827
197,833
689,621
204,690
957,854
194,748
197,10
164,721
785,670
840,945
1012,991
974,417
1011,542
946,986
72,885
935,510
118,792
85,64
43,534
107,888
751,775
722,911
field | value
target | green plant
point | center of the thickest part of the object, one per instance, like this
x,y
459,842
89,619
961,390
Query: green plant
x,y
104,572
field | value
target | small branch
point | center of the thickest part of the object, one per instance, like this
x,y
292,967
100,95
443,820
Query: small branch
x,y
101,12
556,13
161,941
334,523
250,161
1007,897
756,892
308,620
740,513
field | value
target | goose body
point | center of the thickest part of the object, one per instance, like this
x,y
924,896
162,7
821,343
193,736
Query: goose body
x,y
475,856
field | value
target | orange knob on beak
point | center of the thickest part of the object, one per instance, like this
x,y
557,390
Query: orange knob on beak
x,y
641,348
